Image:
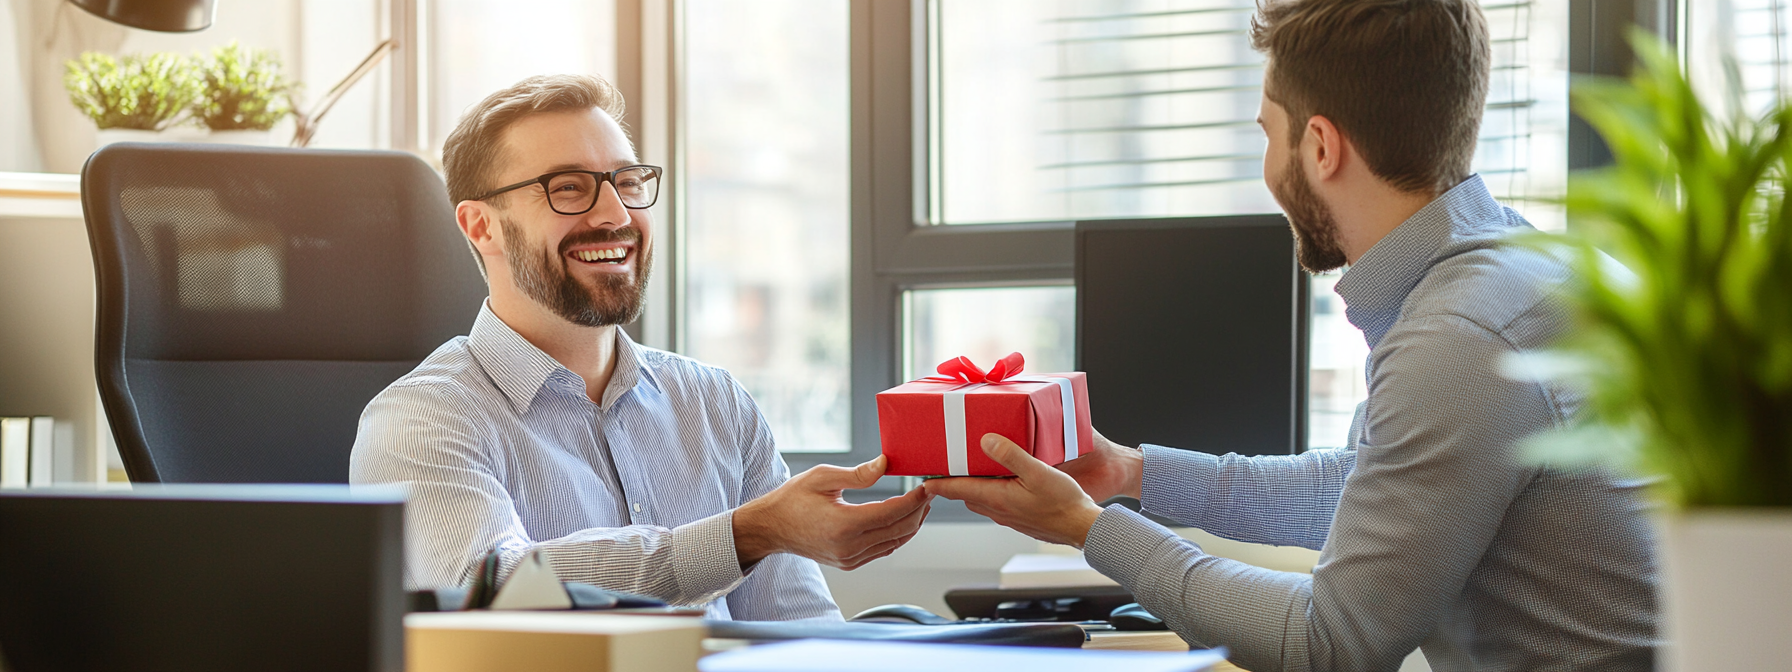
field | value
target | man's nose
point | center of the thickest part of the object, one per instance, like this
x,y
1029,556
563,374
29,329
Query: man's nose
x,y
609,210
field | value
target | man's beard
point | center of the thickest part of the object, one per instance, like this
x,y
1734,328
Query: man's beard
x,y
1316,244
543,277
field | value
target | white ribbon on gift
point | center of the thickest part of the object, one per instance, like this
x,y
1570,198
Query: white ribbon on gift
x,y
958,444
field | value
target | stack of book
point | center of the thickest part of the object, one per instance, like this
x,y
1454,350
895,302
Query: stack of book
x,y
27,454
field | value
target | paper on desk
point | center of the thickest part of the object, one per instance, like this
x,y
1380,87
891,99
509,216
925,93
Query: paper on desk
x,y
533,585
1037,570
819,655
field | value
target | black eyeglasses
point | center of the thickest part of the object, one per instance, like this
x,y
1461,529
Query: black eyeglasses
x,y
575,192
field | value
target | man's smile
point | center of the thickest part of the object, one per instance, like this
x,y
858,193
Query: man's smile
x,y
605,257
613,255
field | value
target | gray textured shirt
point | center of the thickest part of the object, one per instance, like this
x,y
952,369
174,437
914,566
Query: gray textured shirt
x,y
1432,532
501,448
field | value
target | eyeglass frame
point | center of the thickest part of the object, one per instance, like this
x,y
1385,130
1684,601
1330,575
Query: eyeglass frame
x,y
602,177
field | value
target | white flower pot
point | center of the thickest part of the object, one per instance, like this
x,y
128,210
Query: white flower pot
x,y
1727,589
239,137
107,136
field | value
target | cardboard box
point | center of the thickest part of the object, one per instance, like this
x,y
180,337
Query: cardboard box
x,y
935,426
490,641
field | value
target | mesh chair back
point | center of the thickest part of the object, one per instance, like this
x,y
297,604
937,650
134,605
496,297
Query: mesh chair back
x,y
251,301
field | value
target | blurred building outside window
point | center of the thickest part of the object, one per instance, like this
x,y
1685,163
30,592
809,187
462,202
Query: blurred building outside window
x,y
766,218
987,323
478,47
1753,35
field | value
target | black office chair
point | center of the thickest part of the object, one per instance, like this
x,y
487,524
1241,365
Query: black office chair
x,y
252,300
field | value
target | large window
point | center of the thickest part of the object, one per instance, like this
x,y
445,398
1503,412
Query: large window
x,y
1084,109
987,323
864,189
1755,36
764,259
480,46
1039,113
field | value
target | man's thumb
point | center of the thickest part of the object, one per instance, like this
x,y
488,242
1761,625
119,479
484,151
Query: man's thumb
x,y
830,478
1009,454
865,475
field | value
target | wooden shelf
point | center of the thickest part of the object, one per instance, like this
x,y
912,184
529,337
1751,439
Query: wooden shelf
x,y
45,195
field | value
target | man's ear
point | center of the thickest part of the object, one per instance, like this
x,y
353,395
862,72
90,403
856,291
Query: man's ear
x,y
479,223
1324,147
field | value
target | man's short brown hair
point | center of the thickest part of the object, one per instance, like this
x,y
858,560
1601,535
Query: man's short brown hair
x,y
475,150
1405,81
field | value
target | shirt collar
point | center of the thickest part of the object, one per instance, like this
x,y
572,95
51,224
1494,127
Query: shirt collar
x,y
1375,287
520,369
631,370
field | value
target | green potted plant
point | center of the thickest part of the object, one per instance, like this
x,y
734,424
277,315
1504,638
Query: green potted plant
x,y
1684,351
131,96
243,94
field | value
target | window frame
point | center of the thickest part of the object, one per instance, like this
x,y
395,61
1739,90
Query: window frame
x,y
895,244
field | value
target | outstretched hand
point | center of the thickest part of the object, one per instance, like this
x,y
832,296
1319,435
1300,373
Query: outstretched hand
x,y
1108,471
808,516
1038,501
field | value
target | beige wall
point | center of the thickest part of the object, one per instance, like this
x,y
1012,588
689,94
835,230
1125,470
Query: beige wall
x,y
18,144
50,32
46,333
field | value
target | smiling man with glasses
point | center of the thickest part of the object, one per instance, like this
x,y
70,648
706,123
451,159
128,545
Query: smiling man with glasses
x,y
547,429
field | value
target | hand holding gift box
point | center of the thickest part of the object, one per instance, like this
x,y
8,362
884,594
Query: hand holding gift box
x,y
932,426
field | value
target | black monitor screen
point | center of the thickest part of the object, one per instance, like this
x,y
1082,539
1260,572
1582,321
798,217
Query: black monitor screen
x,y
202,578
1193,332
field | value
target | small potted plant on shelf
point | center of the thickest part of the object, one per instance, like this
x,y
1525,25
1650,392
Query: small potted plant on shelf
x,y
131,97
1683,348
243,94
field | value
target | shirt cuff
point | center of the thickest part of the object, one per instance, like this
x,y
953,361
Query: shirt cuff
x,y
703,559
1121,541
1176,483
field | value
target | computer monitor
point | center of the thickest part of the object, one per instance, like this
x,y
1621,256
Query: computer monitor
x,y
1194,332
188,577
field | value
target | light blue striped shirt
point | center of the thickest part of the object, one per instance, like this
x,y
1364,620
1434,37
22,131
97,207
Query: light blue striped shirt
x,y
501,448
1431,531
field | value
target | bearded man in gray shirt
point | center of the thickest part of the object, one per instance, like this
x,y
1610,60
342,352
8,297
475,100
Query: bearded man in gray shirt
x,y
1433,532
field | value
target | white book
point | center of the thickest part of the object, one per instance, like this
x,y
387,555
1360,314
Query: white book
x,y
15,452
43,451
1039,570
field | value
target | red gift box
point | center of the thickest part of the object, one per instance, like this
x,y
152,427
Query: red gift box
x,y
935,426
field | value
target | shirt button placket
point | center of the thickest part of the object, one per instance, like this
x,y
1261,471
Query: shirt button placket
x,y
632,490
